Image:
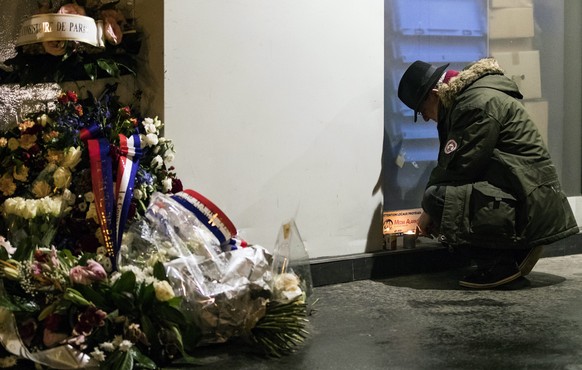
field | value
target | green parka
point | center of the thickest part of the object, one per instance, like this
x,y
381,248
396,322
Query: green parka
x,y
503,189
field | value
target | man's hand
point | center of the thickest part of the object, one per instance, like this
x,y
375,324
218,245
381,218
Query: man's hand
x,y
426,226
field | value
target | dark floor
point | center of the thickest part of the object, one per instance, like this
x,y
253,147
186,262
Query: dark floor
x,y
425,321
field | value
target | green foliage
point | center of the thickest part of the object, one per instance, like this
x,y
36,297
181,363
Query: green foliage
x,y
282,329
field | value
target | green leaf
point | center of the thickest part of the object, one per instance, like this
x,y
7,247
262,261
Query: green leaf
x,y
179,339
169,313
125,283
76,297
190,341
124,301
18,304
66,258
175,302
147,296
142,361
127,361
118,360
91,70
98,299
47,311
159,271
108,66
148,328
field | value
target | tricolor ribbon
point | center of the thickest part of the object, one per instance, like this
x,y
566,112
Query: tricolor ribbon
x,y
208,214
102,181
130,153
236,243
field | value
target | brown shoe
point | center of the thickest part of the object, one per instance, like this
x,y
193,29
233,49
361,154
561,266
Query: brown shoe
x,y
529,260
492,277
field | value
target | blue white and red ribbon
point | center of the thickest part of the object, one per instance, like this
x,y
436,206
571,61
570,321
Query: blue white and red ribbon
x,y
208,214
102,181
236,243
130,153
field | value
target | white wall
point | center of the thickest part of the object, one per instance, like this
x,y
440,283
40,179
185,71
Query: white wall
x,y
275,109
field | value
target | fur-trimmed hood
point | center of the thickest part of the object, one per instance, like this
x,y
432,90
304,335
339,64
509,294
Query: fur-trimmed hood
x,y
449,91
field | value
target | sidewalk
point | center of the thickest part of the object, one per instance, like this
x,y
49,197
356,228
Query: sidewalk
x,y
426,321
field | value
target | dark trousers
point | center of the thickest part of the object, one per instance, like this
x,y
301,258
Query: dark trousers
x,y
433,203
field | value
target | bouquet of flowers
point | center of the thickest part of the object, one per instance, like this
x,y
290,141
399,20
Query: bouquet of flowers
x,y
72,176
47,155
229,289
67,312
32,222
53,55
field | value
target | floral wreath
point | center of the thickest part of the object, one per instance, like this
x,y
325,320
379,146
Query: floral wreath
x,y
61,294
50,55
45,156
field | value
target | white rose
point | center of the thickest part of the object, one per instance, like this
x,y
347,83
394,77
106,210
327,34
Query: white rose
x,y
152,139
62,178
164,291
72,157
150,128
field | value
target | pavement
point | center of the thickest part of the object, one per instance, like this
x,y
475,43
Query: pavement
x,y
427,321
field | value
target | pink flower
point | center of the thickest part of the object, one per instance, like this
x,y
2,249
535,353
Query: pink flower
x,y
72,9
112,32
86,275
51,338
116,15
6,245
113,20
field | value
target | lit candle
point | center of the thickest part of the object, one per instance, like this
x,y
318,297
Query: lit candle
x,y
409,241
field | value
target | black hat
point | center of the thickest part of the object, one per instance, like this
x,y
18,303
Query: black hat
x,y
416,82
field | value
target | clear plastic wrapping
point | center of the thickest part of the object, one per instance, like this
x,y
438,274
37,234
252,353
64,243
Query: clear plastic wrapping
x,y
224,292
